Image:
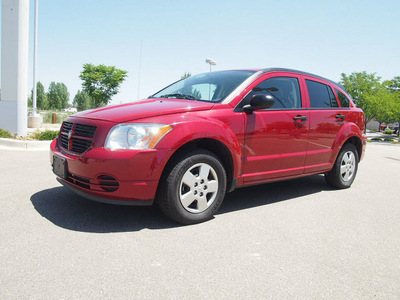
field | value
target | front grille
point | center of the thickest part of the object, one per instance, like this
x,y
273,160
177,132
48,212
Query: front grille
x,y
80,145
85,130
67,126
76,137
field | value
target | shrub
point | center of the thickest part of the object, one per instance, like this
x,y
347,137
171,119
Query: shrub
x,y
376,139
388,139
48,117
62,117
388,131
47,135
5,134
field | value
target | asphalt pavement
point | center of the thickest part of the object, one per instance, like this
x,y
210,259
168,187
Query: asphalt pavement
x,y
293,239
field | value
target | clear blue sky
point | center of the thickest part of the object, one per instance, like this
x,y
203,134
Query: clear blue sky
x,y
322,37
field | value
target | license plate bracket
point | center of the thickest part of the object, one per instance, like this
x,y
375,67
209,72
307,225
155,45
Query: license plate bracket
x,y
60,166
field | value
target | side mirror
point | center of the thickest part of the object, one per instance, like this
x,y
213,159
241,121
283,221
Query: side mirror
x,y
259,102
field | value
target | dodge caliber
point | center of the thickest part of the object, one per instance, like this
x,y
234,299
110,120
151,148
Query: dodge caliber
x,y
189,144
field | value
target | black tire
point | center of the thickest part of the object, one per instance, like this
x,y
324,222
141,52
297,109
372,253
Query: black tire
x,y
345,168
189,197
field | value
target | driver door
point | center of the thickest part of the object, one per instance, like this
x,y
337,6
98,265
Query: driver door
x,y
276,138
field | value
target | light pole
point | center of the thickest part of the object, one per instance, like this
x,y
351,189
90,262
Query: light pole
x,y
34,118
211,62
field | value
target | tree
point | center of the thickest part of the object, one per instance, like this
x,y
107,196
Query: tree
x,y
381,105
82,101
367,92
394,87
58,95
101,82
41,97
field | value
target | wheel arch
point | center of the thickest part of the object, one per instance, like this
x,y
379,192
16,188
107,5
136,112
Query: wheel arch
x,y
219,149
356,141
350,133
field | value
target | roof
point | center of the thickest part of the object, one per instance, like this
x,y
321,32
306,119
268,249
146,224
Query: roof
x,y
267,70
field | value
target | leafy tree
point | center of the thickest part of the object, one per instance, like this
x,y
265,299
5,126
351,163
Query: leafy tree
x,y
82,101
367,92
381,105
393,86
101,82
41,97
57,95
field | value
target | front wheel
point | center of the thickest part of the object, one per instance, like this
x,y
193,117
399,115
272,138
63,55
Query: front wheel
x,y
345,168
193,189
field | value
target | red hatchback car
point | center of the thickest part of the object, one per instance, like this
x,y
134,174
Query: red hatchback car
x,y
187,145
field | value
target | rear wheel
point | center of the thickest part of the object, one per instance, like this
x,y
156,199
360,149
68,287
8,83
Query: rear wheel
x,y
193,189
345,168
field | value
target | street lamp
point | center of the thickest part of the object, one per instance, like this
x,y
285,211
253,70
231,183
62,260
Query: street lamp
x,y
211,62
34,118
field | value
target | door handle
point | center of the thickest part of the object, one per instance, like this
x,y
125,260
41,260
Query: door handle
x,y
340,117
300,119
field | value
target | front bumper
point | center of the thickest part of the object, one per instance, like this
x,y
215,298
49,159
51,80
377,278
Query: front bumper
x,y
127,177
93,197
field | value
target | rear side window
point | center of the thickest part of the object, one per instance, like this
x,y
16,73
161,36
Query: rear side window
x,y
344,101
321,95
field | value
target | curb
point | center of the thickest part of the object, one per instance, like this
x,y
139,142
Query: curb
x,y
11,143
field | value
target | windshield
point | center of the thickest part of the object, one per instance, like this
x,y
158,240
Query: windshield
x,y
211,87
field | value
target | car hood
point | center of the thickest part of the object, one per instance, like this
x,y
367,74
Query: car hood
x,y
143,109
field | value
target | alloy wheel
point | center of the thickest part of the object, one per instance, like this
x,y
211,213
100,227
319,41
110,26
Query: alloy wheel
x,y
198,188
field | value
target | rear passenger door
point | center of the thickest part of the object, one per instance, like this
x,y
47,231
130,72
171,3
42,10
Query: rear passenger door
x,y
326,118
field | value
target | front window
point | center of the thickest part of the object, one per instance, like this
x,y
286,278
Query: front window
x,y
211,87
286,92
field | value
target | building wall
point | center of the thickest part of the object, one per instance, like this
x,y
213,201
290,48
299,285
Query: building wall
x,y
14,65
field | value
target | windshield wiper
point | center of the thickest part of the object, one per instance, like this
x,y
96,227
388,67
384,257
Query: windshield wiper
x,y
178,96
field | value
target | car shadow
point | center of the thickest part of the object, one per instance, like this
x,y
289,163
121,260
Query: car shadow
x,y
70,211
263,194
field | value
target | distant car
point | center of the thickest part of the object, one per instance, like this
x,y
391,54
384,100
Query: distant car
x,y
71,109
394,127
193,141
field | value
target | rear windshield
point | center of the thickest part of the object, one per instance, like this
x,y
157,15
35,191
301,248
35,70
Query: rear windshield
x,y
210,87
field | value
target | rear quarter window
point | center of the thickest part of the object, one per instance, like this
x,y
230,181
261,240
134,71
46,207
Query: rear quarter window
x,y
344,101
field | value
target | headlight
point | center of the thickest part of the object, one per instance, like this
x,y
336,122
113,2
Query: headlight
x,y
136,136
